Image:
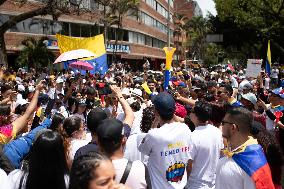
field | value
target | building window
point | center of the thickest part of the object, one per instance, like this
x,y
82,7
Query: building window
x,y
148,41
65,28
75,30
140,39
86,30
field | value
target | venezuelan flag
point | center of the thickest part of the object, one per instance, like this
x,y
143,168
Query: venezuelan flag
x,y
268,60
253,161
93,44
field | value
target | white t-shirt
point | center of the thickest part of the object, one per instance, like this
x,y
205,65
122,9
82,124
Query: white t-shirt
x,y
14,179
51,92
274,73
75,144
4,182
136,178
234,82
231,176
167,148
266,82
205,147
270,124
131,148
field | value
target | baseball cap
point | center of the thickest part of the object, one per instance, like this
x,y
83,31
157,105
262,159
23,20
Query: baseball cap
x,y
164,103
59,80
247,86
250,97
82,102
279,91
180,110
21,88
110,131
31,89
21,102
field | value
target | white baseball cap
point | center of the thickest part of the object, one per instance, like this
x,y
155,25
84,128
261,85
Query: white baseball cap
x,y
59,80
250,97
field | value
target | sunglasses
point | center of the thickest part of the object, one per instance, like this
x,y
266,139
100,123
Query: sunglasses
x,y
224,122
227,122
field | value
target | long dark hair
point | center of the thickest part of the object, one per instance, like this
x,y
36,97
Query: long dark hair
x,y
5,117
47,165
57,119
148,118
272,152
84,170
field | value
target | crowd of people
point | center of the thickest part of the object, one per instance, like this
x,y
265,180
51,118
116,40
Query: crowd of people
x,y
212,128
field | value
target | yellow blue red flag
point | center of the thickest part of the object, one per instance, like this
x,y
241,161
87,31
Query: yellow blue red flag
x,y
94,44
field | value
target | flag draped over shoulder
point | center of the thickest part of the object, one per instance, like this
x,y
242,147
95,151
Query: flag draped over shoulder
x,y
250,157
268,60
93,44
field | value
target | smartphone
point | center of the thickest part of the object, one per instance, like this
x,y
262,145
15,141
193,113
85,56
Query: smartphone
x,y
41,77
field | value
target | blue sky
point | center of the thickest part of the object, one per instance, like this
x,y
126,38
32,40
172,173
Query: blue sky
x,y
207,5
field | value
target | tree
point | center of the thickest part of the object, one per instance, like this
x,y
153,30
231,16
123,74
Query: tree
x,y
197,29
46,7
266,17
180,22
35,54
211,55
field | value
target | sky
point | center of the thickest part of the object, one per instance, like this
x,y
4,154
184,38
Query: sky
x,y
207,5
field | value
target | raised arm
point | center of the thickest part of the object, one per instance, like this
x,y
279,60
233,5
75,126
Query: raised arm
x,y
129,115
188,101
22,121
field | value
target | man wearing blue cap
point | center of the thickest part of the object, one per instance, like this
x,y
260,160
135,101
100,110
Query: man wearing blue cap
x,y
167,146
275,113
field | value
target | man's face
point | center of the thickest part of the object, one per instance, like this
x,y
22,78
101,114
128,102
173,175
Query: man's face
x,y
7,93
59,85
227,127
152,86
275,99
222,95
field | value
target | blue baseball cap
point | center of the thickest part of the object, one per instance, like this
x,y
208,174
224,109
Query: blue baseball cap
x,y
164,103
279,91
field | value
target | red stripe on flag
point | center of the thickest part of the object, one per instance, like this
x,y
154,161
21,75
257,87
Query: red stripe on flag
x,y
262,178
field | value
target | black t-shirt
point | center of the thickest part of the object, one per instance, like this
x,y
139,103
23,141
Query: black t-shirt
x,y
91,147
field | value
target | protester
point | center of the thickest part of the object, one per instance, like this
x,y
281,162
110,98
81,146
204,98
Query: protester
x,y
131,151
8,128
74,136
95,116
167,146
204,148
244,158
93,171
112,141
157,117
47,166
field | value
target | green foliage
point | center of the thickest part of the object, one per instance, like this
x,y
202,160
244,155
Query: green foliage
x,y
211,53
197,29
264,17
35,54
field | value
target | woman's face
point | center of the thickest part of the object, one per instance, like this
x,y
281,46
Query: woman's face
x,y
81,109
105,176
